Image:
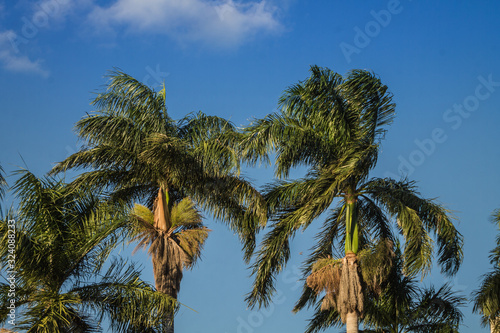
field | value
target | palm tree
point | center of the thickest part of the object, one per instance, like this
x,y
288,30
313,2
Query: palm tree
x,y
334,125
53,253
175,235
487,297
138,152
394,305
134,148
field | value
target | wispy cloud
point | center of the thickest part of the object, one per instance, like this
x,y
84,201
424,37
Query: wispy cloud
x,y
221,23
14,61
42,15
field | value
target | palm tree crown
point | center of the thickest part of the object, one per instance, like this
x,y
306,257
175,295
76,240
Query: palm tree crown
x,y
134,148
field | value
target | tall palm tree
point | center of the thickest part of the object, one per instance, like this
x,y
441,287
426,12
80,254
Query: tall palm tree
x,y
334,125
53,256
395,305
134,148
487,297
138,152
174,234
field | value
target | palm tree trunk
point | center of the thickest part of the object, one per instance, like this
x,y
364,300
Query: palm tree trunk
x,y
167,262
351,322
168,274
350,293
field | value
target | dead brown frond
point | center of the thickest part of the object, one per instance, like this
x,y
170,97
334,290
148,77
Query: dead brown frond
x,y
325,276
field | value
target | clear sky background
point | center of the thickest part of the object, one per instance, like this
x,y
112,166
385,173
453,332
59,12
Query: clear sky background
x,y
233,59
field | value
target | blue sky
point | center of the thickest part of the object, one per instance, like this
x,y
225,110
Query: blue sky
x,y
233,59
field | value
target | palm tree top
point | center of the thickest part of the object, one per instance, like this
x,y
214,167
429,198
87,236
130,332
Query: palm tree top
x,y
321,119
133,148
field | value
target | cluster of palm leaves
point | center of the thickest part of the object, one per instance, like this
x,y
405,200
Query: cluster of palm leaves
x,y
63,240
146,177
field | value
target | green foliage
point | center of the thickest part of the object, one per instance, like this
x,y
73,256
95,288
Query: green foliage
x,y
63,238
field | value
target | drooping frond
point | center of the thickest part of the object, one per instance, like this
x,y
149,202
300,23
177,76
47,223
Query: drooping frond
x,y
417,217
214,139
486,297
437,309
320,99
376,261
271,259
125,300
372,101
326,276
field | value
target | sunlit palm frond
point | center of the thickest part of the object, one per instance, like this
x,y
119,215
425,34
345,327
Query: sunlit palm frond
x,y
271,259
417,217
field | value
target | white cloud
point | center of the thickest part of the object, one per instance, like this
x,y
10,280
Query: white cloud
x,y
216,22
12,60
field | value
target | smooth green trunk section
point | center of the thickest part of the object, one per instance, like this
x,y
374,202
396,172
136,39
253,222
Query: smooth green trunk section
x,y
351,220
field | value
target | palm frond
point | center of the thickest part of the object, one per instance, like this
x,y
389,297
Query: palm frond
x,y
128,302
323,319
64,235
417,217
439,308
271,259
